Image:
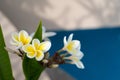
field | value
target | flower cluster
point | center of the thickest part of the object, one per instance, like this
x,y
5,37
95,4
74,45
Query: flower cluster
x,y
73,48
33,48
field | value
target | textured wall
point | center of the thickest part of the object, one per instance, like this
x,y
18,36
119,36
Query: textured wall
x,y
62,14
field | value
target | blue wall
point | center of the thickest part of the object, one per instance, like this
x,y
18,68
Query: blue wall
x,y
102,53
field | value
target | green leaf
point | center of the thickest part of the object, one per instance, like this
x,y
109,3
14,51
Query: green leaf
x,y
5,66
32,69
38,33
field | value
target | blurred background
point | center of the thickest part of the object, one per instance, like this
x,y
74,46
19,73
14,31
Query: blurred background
x,y
56,15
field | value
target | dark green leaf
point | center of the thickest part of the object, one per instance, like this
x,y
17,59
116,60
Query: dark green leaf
x,y
5,66
32,69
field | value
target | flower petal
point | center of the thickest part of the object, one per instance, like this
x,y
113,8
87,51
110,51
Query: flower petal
x,y
70,37
15,37
43,29
73,47
22,36
70,47
13,43
31,54
76,61
48,34
28,40
79,54
39,56
18,44
65,41
36,43
77,44
28,48
45,46
79,64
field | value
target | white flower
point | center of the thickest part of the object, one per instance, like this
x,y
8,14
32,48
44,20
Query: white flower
x,y
20,39
45,34
37,49
72,46
76,60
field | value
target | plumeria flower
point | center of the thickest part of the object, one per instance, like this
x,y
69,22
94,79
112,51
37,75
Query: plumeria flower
x,y
45,34
76,60
36,49
20,39
72,46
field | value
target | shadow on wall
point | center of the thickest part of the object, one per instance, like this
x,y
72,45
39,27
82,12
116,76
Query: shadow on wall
x,y
21,14
61,14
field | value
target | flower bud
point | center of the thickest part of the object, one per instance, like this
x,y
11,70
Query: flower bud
x,y
54,66
45,61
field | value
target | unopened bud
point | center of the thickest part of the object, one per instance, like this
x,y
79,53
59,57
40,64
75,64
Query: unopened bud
x,y
45,61
54,65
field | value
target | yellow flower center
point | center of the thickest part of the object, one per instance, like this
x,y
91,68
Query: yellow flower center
x,y
70,46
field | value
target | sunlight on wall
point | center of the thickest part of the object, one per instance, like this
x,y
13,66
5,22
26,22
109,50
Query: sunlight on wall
x,y
72,14
65,14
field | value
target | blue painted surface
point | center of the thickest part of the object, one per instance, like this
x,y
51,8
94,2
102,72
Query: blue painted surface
x,y
102,53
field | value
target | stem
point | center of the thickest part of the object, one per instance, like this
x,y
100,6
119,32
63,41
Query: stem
x,y
58,59
63,55
20,51
68,62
